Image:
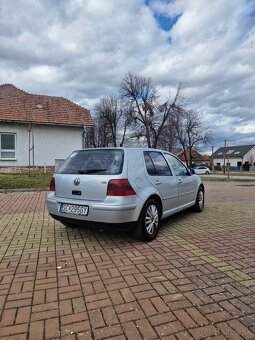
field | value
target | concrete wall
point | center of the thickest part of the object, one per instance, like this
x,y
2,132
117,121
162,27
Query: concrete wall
x,y
51,142
232,161
250,157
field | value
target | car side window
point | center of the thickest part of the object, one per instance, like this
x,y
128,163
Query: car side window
x,y
156,164
179,168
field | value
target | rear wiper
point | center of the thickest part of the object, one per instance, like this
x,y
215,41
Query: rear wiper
x,y
90,171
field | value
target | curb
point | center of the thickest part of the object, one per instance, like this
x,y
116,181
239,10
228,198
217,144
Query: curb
x,y
23,190
226,179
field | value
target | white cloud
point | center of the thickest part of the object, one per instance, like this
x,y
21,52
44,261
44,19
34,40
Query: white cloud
x,y
246,128
80,49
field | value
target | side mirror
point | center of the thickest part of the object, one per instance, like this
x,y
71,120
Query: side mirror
x,y
192,171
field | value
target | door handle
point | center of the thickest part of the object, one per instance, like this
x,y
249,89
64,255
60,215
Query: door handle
x,y
179,180
157,183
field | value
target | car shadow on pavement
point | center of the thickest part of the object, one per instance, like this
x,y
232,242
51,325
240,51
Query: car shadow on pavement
x,y
117,233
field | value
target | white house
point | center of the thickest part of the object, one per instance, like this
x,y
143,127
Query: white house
x,y
37,129
236,157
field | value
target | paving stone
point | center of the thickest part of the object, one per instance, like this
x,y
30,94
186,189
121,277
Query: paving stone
x,y
196,280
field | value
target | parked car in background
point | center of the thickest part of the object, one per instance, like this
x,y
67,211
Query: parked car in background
x,y
202,170
132,186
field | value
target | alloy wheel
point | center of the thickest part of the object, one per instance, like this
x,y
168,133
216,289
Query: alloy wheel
x,y
151,219
200,199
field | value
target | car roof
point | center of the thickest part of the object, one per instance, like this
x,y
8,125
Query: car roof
x,y
126,149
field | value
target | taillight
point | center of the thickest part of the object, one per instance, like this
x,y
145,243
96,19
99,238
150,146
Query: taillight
x,y
119,187
52,184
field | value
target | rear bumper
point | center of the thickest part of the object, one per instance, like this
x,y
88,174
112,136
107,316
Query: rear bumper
x,y
95,225
99,212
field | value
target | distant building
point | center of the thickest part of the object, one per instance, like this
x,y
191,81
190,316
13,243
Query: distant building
x,y
50,127
197,158
236,157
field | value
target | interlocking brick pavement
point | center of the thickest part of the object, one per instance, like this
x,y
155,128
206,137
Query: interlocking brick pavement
x,y
195,281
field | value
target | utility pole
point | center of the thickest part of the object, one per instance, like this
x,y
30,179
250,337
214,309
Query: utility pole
x,y
29,143
224,159
228,167
212,161
31,147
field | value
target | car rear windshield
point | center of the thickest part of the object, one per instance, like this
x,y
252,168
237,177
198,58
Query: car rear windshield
x,y
93,162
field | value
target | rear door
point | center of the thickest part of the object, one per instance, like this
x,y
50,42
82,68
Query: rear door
x,y
160,176
187,184
85,174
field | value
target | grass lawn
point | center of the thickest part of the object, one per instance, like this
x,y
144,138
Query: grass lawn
x,y
42,181
247,173
24,181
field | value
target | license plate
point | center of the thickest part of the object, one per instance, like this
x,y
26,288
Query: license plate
x,y
74,209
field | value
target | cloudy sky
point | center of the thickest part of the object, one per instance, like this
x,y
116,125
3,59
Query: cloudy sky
x,y
80,49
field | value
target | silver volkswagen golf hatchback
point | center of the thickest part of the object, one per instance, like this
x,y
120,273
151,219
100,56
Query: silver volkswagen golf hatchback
x,y
137,187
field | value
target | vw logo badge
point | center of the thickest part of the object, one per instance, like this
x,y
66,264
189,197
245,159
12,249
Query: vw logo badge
x,y
76,181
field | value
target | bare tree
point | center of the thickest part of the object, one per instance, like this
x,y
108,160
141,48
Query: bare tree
x,y
107,111
141,113
167,139
126,120
116,117
99,135
190,131
147,110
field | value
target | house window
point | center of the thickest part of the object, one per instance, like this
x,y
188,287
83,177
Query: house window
x,y
7,146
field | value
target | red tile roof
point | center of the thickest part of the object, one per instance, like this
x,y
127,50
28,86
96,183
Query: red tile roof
x,y
196,156
17,105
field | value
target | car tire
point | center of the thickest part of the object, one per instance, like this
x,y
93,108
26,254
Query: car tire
x,y
200,200
207,173
148,224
